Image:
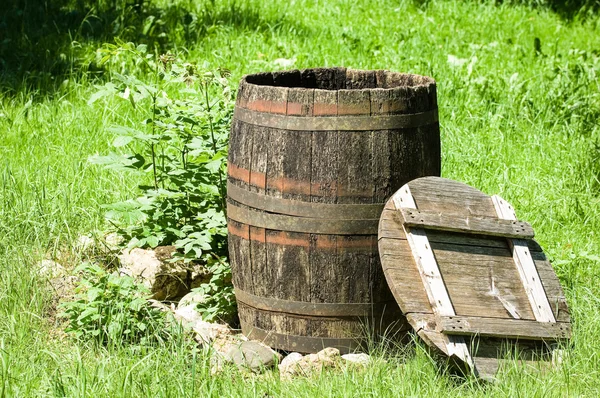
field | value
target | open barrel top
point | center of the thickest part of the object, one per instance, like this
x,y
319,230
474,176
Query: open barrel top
x,y
337,91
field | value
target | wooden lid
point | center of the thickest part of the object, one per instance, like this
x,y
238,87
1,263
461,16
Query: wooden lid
x,y
468,275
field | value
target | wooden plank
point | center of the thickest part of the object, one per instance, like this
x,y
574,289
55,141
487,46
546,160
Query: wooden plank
x,y
506,328
471,225
526,267
482,299
407,287
430,274
450,197
482,280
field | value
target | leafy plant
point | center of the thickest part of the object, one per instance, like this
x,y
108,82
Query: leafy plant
x,y
179,146
220,298
111,309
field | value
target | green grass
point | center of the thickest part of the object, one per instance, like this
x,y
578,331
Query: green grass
x,y
514,122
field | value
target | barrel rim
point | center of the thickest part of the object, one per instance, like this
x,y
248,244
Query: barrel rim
x,y
397,79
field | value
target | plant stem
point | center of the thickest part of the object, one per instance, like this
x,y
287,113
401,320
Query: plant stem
x,y
222,192
152,144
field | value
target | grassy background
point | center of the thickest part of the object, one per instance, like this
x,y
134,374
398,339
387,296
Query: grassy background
x,y
517,119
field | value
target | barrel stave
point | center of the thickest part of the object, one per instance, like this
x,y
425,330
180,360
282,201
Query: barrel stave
x,y
323,167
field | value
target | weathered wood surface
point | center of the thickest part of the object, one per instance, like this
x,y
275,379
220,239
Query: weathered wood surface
x,y
478,271
526,267
506,328
470,225
338,168
430,275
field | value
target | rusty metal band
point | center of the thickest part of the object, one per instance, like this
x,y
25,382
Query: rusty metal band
x,y
304,344
303,209
335,123
301,224
311,309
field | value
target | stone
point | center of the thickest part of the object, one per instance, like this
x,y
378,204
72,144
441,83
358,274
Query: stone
x,y
252,355
357,359
312,364
289,362
159,306
187,315
84,243
167,280
113,241
50,269
206,332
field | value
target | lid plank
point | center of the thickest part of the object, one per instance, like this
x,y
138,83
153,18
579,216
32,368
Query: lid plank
x,y
527,271
432,279
471,225
497,327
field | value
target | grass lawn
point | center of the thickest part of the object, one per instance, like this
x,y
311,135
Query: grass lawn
x,y
519,103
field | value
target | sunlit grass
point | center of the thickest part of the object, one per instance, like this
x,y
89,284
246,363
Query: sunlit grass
x,y
515,121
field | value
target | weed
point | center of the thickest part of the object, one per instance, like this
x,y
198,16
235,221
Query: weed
x,y
111,309
180,144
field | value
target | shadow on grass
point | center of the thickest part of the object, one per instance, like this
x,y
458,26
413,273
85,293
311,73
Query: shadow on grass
x,y
44,42
568,10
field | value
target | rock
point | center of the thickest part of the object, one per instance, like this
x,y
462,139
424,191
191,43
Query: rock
x,y
312,363
167,280
192,298
220,347
84,243
252,355
113,241
358,359
207,332
289,362
50,269
187,315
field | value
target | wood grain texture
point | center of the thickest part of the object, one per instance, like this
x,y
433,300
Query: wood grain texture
x,y
431,276
468,225
526,267
505,328
478,272
325,167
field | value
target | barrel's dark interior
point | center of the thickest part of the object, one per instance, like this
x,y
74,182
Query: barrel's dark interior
x,y
338,79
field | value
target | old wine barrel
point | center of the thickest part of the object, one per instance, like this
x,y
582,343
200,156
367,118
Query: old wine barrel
x,y
313,157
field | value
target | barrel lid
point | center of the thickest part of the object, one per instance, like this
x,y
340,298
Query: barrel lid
x,y
468,275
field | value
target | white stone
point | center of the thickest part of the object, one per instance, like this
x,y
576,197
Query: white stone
x,y
359,359
311,364
252,355
50,269
113,241
290,361
140,263
188,315
84,243
207,332
159,306
166,279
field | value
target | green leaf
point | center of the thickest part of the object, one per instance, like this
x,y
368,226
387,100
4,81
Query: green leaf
x,y
152,241
122,140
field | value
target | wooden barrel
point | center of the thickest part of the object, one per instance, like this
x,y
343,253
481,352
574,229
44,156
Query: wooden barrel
x,y
313,157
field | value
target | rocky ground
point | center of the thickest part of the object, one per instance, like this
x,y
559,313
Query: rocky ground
x,y
171,285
